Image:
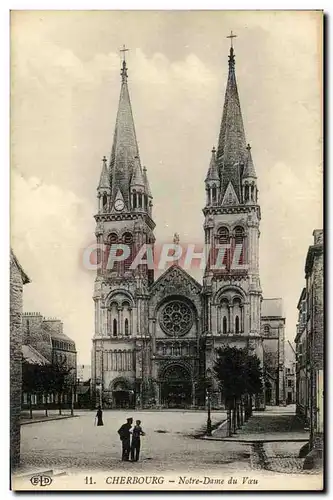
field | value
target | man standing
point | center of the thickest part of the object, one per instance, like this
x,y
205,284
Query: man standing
x,y
125,437
136,441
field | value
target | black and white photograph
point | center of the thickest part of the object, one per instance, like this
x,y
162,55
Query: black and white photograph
x,y
166,250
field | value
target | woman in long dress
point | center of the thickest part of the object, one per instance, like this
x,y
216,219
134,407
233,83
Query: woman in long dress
x,y
99,416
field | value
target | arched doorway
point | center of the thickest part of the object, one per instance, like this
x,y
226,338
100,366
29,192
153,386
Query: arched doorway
x,y
122,395
176,387
268,393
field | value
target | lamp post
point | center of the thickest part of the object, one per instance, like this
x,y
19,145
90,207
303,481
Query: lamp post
x,y
209,401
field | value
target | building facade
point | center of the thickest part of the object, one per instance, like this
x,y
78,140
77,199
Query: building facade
x,y
45,342
290,373
273,334
18,278
155,340
302,361
310,346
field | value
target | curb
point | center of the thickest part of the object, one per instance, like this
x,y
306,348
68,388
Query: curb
x,y
48,419
251,441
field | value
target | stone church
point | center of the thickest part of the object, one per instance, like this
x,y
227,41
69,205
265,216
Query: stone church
x,y
155,340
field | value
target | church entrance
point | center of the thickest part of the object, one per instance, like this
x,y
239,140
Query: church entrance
x,y
122,396
176,387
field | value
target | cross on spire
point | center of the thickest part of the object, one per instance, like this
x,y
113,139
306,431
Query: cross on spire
x,y
124,50
124,67
231,36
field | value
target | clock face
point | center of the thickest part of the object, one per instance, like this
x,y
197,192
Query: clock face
x,y
119,205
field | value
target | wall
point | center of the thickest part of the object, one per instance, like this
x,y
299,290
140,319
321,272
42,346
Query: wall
x,y
16,301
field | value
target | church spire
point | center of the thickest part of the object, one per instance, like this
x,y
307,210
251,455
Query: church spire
x,y
231,151
125,146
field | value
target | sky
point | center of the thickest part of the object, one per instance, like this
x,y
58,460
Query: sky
x,y
65,83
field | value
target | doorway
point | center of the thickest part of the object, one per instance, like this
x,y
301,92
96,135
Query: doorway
x,y
176,387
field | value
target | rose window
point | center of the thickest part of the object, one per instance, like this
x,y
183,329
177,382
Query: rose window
x,y
176,318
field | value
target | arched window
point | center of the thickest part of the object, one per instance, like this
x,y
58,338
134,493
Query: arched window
x,y
237,314
224,314
223,239
252,192
239,246
266,329
134,199
146,201
246,192
126,328
128,240
105,202
140,200
114,329
209,192
112,266
237,324
214,194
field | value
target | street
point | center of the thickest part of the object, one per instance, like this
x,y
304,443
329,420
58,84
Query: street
x,y
169,444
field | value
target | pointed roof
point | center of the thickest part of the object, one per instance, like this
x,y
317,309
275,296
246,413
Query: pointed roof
x,y
249,170
231,151
137,178
213,174
14,260
147,186
125,147
104,181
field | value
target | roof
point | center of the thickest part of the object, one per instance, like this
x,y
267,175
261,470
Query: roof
x,y
61,336
124,147
301,298
25,277
272,308
231,151
32,356
213,174
147,186
137,178
249,170
104,181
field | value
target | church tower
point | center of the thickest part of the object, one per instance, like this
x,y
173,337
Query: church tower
x,y
231,288
123,224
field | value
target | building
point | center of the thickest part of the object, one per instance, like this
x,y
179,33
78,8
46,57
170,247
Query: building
x,y
83,387
155,340
18,278
83,373
310,349
302,361
44,342
290,373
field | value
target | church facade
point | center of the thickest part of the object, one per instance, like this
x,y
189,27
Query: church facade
x,y
155,339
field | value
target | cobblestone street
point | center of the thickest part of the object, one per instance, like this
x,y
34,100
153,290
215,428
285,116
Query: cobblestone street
x,y
169,445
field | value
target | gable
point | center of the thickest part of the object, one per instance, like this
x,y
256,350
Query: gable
x,y
230,197
176,281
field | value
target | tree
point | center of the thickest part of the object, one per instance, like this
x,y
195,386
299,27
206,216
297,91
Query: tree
x,y
29,381
239,375
44,379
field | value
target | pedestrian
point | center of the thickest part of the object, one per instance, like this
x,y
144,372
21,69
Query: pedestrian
x,y
125,437
136,441
99,416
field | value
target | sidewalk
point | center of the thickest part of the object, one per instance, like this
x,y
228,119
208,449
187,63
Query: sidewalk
x,y
275,424
39,416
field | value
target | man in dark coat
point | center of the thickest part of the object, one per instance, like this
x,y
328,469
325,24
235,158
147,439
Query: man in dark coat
x,y
125,437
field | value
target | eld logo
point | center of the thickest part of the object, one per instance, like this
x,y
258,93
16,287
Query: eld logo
x,y
41,480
